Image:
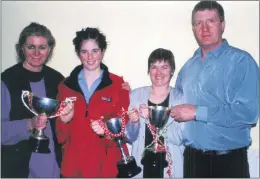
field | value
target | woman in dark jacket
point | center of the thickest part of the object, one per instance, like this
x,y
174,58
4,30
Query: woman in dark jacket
x,y
34,50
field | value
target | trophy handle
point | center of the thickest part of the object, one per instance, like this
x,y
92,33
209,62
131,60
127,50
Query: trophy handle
x,y
67,100
24,94
63,104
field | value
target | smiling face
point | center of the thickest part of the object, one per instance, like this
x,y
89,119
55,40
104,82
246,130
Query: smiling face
x,y
208,28
160,73
36,52
90,55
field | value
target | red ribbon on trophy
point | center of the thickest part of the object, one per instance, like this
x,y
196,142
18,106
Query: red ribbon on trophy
x,y
108,133
161,147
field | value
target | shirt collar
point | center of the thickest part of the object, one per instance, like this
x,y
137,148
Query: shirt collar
x,y
82,78
216,52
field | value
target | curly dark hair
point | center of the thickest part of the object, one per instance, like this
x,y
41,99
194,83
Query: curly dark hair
x,y
34,29
210,5
90,33
161,54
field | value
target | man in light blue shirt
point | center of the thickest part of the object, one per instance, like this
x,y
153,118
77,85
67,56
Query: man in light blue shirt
x,y
220,86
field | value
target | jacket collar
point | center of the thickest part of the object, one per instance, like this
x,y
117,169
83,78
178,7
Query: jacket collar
x,y
72,80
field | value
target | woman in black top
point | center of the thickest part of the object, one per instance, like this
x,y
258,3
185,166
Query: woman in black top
x,y
161,67
154,163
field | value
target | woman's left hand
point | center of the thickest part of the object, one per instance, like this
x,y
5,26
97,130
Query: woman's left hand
x,y
97,128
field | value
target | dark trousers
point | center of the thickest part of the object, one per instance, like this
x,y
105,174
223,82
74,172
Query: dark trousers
x,y
212,164
154,164
13,171
15,160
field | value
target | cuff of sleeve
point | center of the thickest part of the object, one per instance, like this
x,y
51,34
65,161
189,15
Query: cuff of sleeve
x,y
202,113
22,127
133,125
27,132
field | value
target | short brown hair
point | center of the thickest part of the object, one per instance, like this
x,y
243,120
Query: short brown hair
x,y
161,54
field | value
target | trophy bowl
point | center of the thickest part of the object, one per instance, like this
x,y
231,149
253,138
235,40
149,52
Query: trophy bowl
x,y
127,167
154,154
114,125
45,106
158,116
42,106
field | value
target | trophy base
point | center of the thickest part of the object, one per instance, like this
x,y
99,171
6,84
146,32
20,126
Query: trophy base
x,y
129,169
154,158
39,144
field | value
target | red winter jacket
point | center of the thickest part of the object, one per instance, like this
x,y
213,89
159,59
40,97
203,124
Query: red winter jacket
x,y
85,154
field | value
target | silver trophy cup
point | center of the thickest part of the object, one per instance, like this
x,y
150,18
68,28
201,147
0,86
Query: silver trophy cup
x,y
42,106
158,117
127,166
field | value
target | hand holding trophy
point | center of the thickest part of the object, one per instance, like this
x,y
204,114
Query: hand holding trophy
x,y
38,122
114,130
47,107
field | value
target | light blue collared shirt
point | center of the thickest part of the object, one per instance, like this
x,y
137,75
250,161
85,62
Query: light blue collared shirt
x,y
224,89
84,87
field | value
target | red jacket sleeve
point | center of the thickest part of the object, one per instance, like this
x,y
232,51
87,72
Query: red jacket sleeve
x,y
123,103
63,130
120,107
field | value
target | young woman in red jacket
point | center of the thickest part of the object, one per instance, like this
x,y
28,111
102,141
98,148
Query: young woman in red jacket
x,y
87,153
